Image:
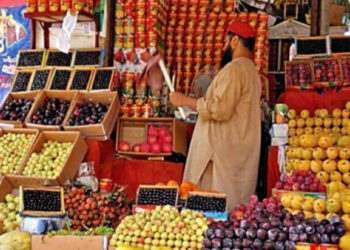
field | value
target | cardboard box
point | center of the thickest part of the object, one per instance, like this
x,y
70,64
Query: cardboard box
x,y
70,167
31,71
14,96
70,85
96,130
134,130
87,50
48,80
110,81
49,86
59,242
62,95
23,52
50,51
336,14
5,188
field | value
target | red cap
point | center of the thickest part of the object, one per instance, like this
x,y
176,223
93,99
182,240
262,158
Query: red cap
x,y
242,29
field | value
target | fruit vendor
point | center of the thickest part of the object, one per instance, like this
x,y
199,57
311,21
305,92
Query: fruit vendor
x,y
225,148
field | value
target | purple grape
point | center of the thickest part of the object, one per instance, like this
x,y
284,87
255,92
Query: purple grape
x,y
294,237
340,229
265,225
244,224
325,238
290,245
314,238
229,233
207,242
282,236
335,239
251,234
257,244
309,229
279,245
219,233
216,243
210,233
240,233
329,229
262,234
237,243
272,234
321,229
269,245
303,237
227,243
247,242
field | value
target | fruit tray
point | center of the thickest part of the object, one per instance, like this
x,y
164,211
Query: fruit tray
x,y
21,80
60,79
278,194
345,66
309,47
56,58
35,132
5,188
81,79
87,57
206,202
102,79
49,201
104,128
41,79
15,96
61,95
293,74
31,58
70,165
157,195
327,72
135,131
339,44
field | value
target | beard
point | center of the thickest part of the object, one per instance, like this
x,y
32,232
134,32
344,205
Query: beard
x,y
226,57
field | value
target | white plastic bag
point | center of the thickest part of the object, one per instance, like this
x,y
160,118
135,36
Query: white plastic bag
x,y
68,25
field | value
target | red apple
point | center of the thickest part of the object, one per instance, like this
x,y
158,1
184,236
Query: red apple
x,y
279,185
136,148
166,147
163,132
124,146
145,148
296,187
167,139
152,139
152,130
313,187
155,148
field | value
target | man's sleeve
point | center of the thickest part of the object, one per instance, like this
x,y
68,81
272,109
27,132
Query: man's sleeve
x,y
226,94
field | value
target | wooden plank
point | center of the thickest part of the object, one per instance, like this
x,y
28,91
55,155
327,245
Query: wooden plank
x,y
315,18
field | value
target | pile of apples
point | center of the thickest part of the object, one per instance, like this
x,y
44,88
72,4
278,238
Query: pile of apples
x,y
163,227
159,140
89,209
9,213
305,181
298,74
327,70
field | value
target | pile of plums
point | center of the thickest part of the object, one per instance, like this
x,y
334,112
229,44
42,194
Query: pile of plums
x,y
27,59
59,59
327,71
87,58
102,79
51,112
86,113
16,109
61,79
298,74
40,79
81,79
22,81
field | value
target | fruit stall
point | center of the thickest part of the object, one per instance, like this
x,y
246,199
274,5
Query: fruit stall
x,y
91,156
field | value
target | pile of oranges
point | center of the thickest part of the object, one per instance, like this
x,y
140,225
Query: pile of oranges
x,y
184,188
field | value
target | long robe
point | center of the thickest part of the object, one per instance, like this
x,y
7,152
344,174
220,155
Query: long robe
x,y
227,134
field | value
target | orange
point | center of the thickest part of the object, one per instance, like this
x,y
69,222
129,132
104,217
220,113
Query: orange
x,y
188,185
172,183
160,184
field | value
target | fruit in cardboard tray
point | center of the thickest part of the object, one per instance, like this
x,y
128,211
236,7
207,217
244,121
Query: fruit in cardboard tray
x,y
87,113
124,146
145,148
81,79
13,149
60,79
21,82
30,59
59,59
40,79
87,58
102,79
327,71
9,213
51,112
49,161
15,110
136,148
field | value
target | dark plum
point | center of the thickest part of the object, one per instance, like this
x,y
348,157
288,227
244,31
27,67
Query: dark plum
x,y
244,224
290,245
257,244
279,245
216,243
282,236
309,229
325,238
210,233
229,233
86,113
240,233
251,233
303,237
15,110
340,229
261,234
269,245
294,237
51,112
237,243
227,242
247,242
335,239
219,233
329,229
272,234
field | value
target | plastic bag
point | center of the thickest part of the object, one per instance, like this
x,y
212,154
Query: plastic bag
x,y
86,176
68,25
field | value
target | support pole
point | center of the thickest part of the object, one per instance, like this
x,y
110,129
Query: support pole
x,y
315,18
324,17
109,43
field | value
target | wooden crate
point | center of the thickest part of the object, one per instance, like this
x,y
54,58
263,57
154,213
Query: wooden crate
x,y
134,130
22,54
52,51
62,95
5,188
339,44
311,46
110,81
96,130
35,132
70,167
76,70
23,189
77,53
159,189
324,84
288,84
49,87
13,96
29,71
48,80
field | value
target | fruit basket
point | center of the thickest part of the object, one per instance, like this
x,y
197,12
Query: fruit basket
x,y
37,117
327,72
102,79
139,137
81,79
60,78
14,101
56,58
206,202
21,80
31,58
87,57
41,201
91,129
157,195
69,164
26,146
40,79
299,74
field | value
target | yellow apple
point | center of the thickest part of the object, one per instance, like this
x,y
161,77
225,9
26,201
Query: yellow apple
x,y
292,132
317,112
319,153
300,131
325,142
316,166
304,165
297,153
333,206
309,131
319,206
319,216
306,154
305,114
294,141
318,131
336,113
327,122
329,165
336,130
346,207
291,114
346,219
296,202
308,204
327,131
318,122
347,105
332,153
289,166
346,178
323,177
292,123
310,122
289,152
308,214
324,113
335,176
344,153
332,187
341,186
345,113
343,141
300,123
308,141
343,166
286,200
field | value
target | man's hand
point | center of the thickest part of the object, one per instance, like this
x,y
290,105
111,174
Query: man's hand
x,y
180,100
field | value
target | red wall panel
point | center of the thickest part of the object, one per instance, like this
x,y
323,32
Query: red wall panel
x,y
9,3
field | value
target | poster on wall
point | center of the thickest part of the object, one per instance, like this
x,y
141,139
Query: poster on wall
x,y
15,34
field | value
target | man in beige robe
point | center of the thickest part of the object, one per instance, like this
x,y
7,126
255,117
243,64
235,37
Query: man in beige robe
x,y
225,148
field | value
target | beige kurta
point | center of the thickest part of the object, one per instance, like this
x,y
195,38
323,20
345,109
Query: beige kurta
x,y
228,133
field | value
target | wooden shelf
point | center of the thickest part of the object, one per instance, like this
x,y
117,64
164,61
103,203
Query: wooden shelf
x,y
58,16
